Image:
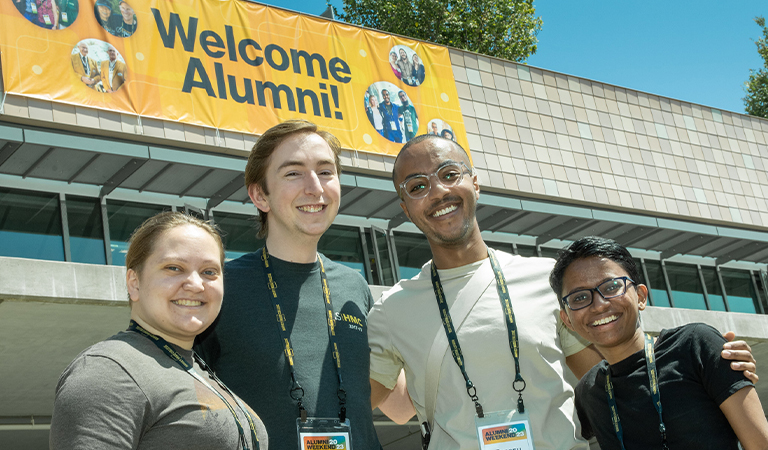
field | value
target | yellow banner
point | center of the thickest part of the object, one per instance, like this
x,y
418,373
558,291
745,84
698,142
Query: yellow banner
x,y
232,65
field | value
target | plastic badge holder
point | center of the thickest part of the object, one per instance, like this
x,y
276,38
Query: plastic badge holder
x,y
504,430
324,434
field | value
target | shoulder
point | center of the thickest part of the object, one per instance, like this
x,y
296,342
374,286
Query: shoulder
x,y
693,332
590,379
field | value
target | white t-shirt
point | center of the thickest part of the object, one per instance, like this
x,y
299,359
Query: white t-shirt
x,y
402,326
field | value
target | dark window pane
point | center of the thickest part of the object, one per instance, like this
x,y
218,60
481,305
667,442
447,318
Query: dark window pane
x,y
740,290
714,292
86,236
124,217
30,225
547,252
501,246
382,250
640,277
686,286
526,250
656,283
342,244
238,231
412,253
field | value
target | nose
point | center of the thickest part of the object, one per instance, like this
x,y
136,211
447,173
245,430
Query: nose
x,y
194,282
312,184
598,302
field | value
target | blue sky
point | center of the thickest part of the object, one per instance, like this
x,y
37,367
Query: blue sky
x,y
697,51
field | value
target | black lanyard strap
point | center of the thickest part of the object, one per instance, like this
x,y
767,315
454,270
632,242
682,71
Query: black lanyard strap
x,y
169,351
450,332
653,381
297,392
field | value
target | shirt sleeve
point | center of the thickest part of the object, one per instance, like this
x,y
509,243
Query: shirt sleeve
x,y
97,405
386,362
570,341
719,380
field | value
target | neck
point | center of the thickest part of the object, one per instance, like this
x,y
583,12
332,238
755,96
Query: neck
x,y
456,255
129,21
624,350
292,250
183,343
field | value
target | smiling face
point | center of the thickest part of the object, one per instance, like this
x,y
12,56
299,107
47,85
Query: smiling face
x,y
446,216
612,325
179,289
104,12
127,12
112,53
304,190
372,101
403,56
403,98
385,96
393,57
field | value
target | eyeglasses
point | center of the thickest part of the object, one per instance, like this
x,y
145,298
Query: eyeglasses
x,y
615,287
418,186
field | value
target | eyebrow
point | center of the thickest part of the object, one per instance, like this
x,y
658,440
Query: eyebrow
x,y
322,162
445,163
583,288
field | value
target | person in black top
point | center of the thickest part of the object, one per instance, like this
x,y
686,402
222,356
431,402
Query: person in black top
x,y
692,398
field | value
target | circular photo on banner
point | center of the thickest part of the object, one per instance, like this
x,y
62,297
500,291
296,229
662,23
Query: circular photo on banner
x,y
98,65
116,16
440,128
406,65
391,112
49,14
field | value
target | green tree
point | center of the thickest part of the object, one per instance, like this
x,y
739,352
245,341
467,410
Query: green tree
x,y
502,28
756,101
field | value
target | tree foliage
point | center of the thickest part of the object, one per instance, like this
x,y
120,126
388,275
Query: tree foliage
x,y
756,100
503,28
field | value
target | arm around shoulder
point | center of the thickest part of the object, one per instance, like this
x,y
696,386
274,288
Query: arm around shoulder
x,y
97,405
745,414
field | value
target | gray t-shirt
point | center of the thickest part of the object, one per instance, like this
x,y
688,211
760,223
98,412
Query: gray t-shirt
x,y
125,393
244,346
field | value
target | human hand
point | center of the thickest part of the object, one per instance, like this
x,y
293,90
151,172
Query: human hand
x,y
740,355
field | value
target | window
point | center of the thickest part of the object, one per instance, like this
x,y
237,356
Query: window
x,y
238,232
740,290
86,234
412,253
343,245
124,217
656,283
684,282
714,292
30,225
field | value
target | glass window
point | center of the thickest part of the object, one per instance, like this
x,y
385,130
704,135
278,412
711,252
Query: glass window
x,y
526,250
343,245
412,253
86,235
714,292
30,225
548,252
656,283
501,246
740,290
687,291
238,232
124,217
640,277
381,244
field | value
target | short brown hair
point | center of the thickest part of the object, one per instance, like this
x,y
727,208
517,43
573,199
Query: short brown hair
x,y
142,241
258,160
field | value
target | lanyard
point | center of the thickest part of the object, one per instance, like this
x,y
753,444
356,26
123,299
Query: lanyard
x,y
297,392
450,332
163,345
650,364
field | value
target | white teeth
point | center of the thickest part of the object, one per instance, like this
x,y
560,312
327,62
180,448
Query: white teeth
x,y
187,302
311,208
604,320
445,211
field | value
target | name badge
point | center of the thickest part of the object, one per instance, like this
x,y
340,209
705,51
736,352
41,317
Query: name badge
x,y
392,125
34,7
64,17
46,19
504,430
324,434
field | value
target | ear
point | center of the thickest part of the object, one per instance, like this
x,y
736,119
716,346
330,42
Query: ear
x,y
405,210
132,282
476,185
258,197
642,296
566,320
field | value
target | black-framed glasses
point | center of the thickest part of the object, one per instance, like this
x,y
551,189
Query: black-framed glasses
x,y
615,287
418,186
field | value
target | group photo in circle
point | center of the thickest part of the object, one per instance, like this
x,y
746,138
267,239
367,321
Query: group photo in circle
x,y
117,17
439,127
406,64
391,112
98,65
49,14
